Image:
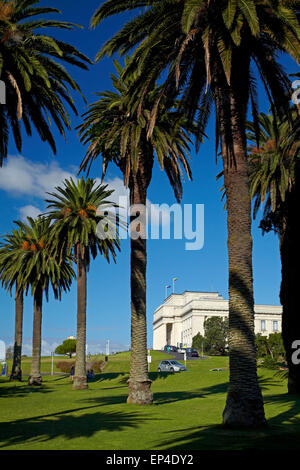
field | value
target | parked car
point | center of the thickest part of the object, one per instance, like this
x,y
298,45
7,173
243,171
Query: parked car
x,y
171,366
170,348
192,352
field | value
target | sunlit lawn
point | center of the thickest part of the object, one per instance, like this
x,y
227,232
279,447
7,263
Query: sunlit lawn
x,y
187,412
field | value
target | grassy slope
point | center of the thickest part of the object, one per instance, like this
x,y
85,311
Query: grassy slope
x,y
186,413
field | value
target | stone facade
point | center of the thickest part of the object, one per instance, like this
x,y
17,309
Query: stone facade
x,y
182,316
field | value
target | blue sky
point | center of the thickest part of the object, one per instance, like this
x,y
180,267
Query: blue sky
x,y
25,178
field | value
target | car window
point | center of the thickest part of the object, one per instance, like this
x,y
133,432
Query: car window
x,y
174,362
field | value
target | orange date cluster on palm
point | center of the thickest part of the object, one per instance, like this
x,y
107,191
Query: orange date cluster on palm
x,y
29,246
83,214
66,211
6,9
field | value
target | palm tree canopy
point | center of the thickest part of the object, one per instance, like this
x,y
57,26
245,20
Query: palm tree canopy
x,y
27,261
209,44
37,84
272,164
77,209
119,131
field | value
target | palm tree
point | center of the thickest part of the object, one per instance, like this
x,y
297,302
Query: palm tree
x,y
31,265
113,128
10,243
272,166
274,178
37,84
77,209
209,48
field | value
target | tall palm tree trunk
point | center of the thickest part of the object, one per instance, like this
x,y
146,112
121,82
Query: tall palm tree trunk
x,y
80,377
35,373
139,382
290,259
244,405
16,367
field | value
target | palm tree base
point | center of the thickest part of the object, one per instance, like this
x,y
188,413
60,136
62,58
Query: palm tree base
x,y
244,412
35,380
139,392
14,377
79,383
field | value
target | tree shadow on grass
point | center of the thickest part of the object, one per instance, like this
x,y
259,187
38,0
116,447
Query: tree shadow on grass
x,y
162,398
291,415
16,390
108,400
124,376
66,424
221,388
161,375
65,376
111,376
281,433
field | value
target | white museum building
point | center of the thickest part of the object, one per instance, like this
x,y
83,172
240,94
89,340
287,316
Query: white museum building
x,y
182,316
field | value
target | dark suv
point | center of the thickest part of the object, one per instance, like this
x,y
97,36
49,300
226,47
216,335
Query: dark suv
x,y
192,352
170,348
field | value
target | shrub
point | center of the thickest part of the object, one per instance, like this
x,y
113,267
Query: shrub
x,y
270,363
98,366
65,366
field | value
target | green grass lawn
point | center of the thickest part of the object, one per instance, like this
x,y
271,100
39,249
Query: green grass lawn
x,y
186,414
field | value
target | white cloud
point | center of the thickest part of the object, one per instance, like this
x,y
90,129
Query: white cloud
x,y
119,188
29,211
21,177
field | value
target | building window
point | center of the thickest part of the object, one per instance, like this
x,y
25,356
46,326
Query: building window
x,y
275,326
263,325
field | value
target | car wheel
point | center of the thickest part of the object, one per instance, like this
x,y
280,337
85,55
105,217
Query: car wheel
x,y
171,369
159,369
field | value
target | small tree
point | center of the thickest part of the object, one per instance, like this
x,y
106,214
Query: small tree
x,y
261,345
9,353
67,348
216,335
270,347
198,341
276,347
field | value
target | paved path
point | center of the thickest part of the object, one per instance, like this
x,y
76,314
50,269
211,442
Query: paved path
x,y
180,356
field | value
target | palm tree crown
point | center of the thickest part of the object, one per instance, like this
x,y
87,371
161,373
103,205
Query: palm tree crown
x,y
37,85
117,129
26,260
272,164
205,42
74,208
